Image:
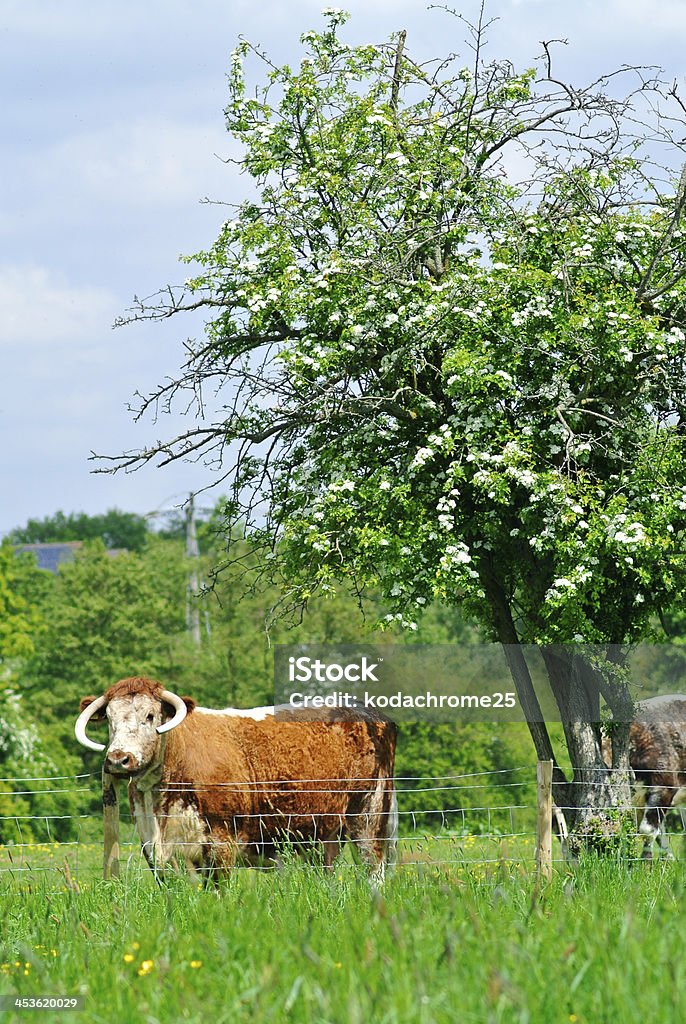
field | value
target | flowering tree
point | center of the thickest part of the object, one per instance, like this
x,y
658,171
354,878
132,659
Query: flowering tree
x,y
19,623
440,380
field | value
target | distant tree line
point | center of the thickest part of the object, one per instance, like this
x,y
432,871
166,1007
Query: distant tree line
x,y
98,619
114,528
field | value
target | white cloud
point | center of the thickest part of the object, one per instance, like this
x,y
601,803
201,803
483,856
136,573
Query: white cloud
x,y
148,161
636,15
78,21
622,29
52,21
39,308
106,148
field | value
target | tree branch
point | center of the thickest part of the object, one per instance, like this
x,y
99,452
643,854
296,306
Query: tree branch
x,y
395,89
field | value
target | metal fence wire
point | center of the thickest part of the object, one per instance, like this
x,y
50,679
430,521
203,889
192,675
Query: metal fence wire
x,y
469,820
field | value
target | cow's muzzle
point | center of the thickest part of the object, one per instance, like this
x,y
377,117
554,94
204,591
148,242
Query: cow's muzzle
x,y
118,762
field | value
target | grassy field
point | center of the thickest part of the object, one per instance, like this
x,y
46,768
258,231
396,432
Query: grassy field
x,y
473,944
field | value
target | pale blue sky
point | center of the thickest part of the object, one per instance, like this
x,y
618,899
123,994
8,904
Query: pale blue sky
x,y
110,130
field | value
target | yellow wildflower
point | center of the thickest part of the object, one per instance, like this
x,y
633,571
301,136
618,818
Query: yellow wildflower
x,y
196,963
128,957
135,945
146,967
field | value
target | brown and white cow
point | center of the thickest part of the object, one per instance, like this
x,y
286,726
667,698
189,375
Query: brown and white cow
x,y
657,754
208,788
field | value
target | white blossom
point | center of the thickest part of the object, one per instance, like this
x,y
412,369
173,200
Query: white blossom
x,y
458,554
422,455
523,476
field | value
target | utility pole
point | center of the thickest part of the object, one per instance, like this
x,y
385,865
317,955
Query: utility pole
x,y
192,590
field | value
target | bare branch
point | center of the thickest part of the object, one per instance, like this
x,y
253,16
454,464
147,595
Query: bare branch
x,y
661,249
402,36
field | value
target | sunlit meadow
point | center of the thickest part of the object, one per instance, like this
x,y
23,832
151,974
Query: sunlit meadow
x,y
451,941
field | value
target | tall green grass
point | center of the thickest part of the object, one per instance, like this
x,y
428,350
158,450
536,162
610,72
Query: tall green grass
x,y
600,944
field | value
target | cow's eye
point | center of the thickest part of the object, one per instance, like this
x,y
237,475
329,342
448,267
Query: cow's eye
x,y
150,719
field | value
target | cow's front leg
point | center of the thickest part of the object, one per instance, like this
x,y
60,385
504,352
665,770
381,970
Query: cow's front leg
x,y
652,827
149,851
663,839
650,834
149,831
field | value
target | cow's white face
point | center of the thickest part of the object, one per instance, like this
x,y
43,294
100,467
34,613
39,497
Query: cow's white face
x,y
134,742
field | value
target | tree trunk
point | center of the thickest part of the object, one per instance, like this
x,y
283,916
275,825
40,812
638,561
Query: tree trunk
x,y
519,670
521,677
577,684
595,786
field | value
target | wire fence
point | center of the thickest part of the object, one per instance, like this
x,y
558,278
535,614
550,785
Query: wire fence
x,y
469,821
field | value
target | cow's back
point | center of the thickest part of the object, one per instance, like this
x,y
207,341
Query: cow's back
x,y
658,736
293,772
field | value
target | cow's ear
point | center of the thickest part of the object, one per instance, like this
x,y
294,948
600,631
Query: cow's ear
x,y
170,711
99,714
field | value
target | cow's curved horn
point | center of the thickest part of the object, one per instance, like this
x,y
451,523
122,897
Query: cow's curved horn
x,y
180,708
83,720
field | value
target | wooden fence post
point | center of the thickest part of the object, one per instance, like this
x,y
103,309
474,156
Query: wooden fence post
x,y
544,831
110,823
